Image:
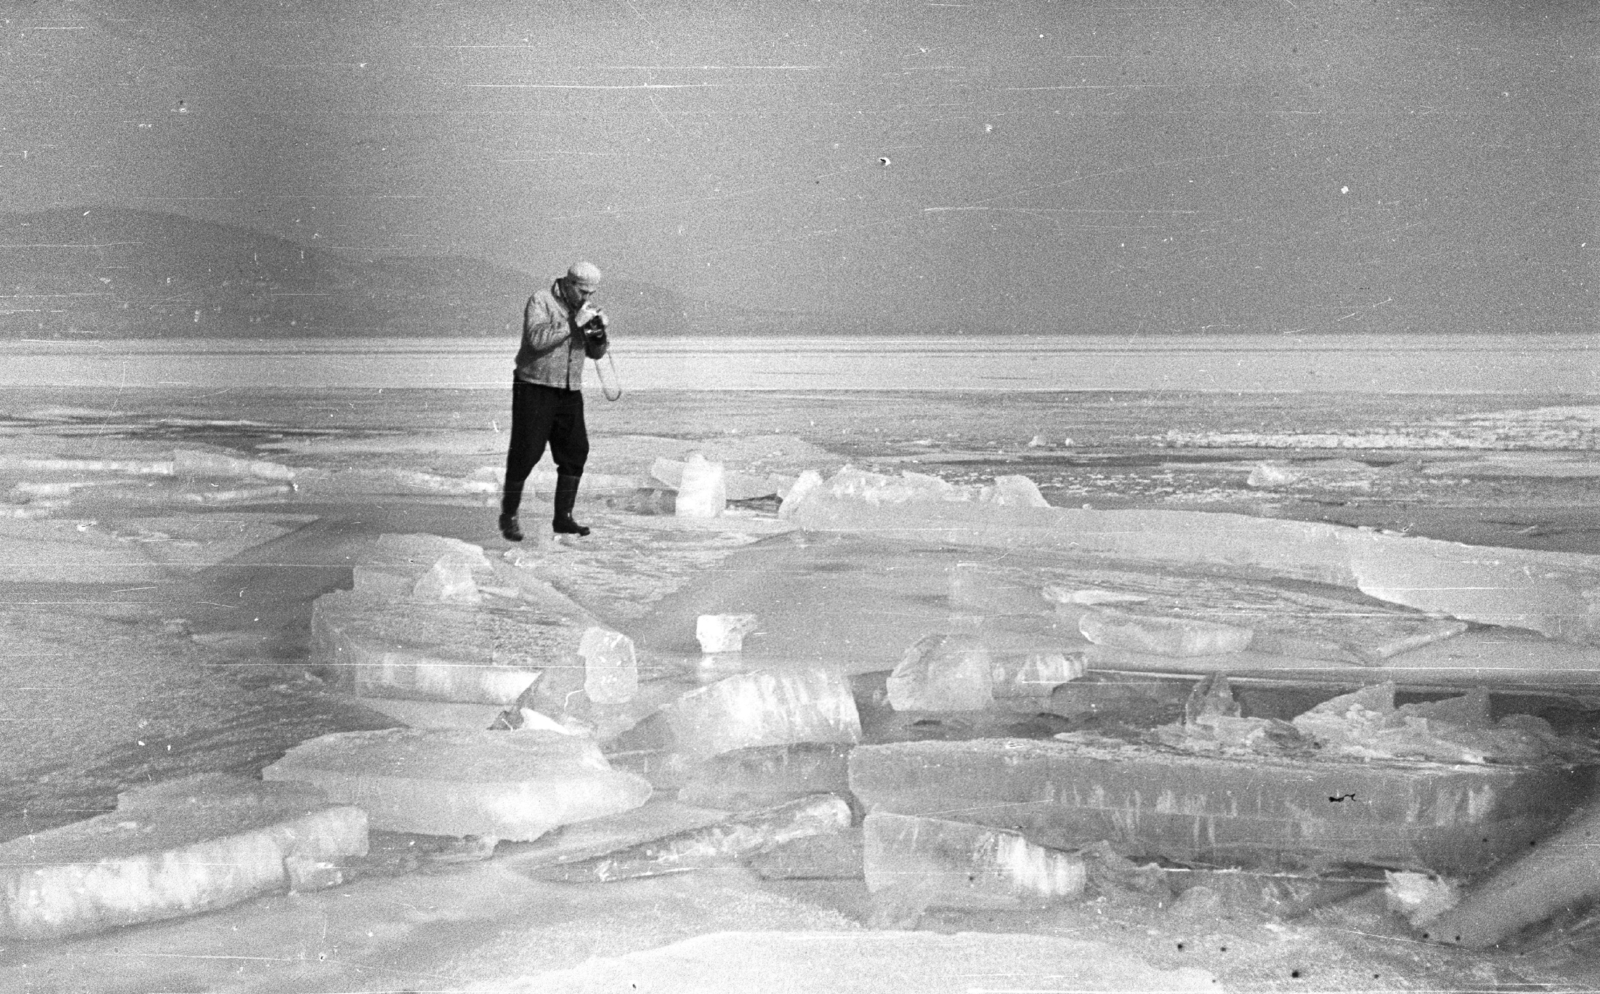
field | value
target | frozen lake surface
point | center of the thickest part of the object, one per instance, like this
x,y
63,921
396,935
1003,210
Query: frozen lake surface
x,y
1453,364
134,677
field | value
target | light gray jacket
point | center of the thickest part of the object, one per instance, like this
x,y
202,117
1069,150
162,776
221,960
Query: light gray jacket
x,y
552,350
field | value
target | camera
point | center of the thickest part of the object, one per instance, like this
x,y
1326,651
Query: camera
x,y
596,324
594,337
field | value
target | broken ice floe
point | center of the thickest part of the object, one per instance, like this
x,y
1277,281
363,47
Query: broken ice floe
x,y
723,632
1163,636
610,668
175,848
1213,722
1337,474
1244,811
737,486
1289,624
1367,725
763,776
702,490
804,484
385,647
510,785
943,672
198,472
417,625
1033,674
718,844
1549,877
1556,594
938,863
1091,597
761,708
916,488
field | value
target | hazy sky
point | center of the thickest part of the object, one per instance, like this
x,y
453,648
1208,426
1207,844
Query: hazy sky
x,y
1117,166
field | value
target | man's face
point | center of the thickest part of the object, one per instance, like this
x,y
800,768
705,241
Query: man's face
x,y
577,293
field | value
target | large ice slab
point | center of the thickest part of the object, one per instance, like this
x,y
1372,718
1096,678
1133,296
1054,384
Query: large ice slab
x,y
436,714
417,552
761,776
1162,635
449,580
702,491
723,632
1495,656
382,647
1034,674
1559,873
1255,812
915,488
511,785
658,818
719,844
172,849
610,666
770,707
432,618
1338,624
943,672
1557,594
419,675
940,863
736,485
1367,725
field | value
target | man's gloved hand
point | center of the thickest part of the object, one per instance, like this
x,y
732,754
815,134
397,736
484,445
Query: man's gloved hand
x,y
590,318
594,339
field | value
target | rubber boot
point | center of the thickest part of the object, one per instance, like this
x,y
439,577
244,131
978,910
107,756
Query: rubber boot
x,y
566,496
510,528
510,498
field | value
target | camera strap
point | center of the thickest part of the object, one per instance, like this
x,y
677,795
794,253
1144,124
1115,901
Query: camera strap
x,y
610,385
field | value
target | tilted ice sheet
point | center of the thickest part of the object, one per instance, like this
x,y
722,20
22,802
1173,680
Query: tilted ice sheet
x,y
1299,609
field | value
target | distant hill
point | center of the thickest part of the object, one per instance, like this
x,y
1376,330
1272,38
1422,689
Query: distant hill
x,y
102,272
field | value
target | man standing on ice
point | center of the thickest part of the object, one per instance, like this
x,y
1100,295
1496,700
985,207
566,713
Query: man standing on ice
x,y
559,327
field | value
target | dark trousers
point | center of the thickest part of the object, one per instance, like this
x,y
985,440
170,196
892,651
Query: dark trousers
x,y
541,415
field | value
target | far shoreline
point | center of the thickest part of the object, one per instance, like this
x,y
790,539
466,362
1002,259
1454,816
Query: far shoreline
x,y
1564,364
